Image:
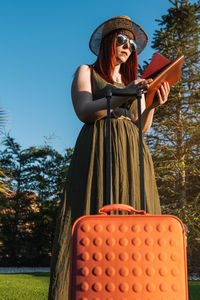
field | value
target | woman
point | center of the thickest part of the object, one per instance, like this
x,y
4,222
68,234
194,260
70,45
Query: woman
x,y
116,42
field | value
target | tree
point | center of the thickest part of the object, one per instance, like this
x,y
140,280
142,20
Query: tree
x,y
175,136
176,127
3,187
28,215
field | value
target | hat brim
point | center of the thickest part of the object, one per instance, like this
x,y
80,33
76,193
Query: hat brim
x,y
115,23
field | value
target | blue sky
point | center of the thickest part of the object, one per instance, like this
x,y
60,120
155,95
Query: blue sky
x,y
42,42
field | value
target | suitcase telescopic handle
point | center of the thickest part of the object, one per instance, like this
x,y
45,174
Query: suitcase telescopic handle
x,y
125,92
119,207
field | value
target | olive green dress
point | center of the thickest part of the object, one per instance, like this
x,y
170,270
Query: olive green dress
x,y
85,190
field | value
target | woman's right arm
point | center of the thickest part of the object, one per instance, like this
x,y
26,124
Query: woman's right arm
x,y
86,109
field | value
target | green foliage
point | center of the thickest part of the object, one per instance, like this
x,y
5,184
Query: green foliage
x,y
3,185
175,136
28,216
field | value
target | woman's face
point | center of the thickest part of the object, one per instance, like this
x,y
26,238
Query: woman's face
x,y
123,51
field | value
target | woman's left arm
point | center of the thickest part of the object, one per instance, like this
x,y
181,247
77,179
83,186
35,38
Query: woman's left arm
x,y
147,113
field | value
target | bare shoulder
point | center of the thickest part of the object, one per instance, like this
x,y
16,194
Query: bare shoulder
x,y
82,70
81,81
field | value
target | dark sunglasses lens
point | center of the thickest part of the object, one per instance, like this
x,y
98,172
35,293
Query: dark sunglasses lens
x,y
121,39
133,45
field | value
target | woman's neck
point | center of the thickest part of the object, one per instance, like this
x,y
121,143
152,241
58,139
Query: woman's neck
x,y
116,74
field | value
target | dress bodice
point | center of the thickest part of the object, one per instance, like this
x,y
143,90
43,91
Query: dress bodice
x,y
99,86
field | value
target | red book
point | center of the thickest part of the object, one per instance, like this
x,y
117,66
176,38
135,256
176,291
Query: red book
x,y
157,63
161,70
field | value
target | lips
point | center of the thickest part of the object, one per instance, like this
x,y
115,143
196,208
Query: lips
x,y
125,53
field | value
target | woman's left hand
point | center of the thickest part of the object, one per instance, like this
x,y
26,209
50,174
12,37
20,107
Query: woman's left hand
x,y
162,95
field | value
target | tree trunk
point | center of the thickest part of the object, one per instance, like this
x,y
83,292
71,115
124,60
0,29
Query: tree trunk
x,y
181,185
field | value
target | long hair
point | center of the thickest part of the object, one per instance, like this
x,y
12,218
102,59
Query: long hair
x,y
105,62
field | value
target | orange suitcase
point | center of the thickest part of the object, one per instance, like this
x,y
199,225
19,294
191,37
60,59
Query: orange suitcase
x,y
128,257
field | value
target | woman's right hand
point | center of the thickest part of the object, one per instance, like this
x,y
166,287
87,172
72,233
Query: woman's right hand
x,y
142,85
139,84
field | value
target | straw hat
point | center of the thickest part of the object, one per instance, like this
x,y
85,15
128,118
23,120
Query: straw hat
x,y
120,22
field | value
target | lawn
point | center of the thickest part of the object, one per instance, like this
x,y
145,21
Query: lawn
x,y
34,286
194,290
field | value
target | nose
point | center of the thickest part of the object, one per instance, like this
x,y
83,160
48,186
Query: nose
x,y
127,45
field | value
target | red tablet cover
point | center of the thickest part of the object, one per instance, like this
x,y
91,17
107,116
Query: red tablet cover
x,y
158,62
160,70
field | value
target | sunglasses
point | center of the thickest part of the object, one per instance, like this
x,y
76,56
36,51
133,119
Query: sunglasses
x,y
123,39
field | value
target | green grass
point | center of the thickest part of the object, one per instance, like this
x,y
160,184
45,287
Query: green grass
x,y
34,286
194,290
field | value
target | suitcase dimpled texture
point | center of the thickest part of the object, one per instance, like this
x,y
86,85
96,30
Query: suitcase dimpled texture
x,y
128,257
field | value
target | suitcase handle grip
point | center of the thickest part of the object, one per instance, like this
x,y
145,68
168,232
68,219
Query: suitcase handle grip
x,y
119,207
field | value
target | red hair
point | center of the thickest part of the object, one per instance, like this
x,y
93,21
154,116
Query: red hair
x,y
105,62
